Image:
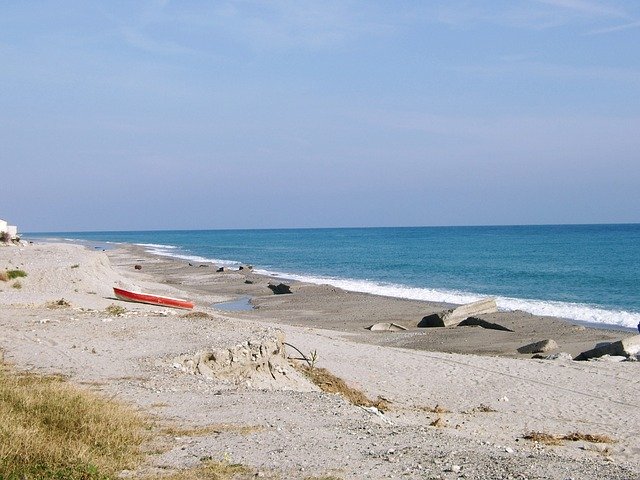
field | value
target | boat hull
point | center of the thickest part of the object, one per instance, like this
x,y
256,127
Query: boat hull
x,y
150,299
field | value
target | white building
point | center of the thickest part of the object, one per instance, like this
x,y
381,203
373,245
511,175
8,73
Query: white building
x,y
12,230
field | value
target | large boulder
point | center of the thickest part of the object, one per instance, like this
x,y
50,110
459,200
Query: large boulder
x,y
454,316
626,347
280,288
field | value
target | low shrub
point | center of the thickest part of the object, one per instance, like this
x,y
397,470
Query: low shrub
x,y
11,274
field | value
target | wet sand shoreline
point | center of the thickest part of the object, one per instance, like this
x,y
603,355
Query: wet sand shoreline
x,y
328,307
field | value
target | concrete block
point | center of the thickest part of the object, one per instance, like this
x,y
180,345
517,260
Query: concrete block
x,y
386,327
543,346
454,316
479,322
626,347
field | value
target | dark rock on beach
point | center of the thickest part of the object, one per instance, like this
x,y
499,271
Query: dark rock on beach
x,y
280,288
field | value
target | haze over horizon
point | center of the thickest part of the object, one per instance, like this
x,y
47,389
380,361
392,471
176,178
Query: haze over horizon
x,y
255,114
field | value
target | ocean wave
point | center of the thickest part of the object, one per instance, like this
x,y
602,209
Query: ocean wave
x,y
169,251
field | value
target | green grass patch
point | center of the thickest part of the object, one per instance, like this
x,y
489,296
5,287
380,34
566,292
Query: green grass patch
x,y
11,274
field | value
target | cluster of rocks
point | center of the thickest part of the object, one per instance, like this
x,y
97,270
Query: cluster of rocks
x,y
227,269
470,315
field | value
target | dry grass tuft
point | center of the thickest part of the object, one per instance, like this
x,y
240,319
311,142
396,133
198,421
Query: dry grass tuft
x,y
549,439
588,437
329,383
437,409
115,310
62,303
51,429
542,437
17,285
213,470
175,431
197,315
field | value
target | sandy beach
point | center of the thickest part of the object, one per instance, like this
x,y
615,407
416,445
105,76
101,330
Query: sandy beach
x,y
488,395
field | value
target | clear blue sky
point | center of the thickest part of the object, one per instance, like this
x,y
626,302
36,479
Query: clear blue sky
x,y
120,115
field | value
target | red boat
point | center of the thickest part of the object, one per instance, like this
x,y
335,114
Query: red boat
x,y
129,296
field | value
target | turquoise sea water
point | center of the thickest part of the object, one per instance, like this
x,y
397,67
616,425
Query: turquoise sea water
x,y
583,272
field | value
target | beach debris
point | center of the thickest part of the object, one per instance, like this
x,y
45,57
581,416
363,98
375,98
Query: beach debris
x,y
561,356
137,267
609,358
439,422
221,269
479,322
245,267
380,415
454,316
249,282
626,347
257,363
280,289
386,327
542,346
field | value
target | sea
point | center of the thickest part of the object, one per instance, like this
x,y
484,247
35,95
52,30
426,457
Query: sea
x,y
587,273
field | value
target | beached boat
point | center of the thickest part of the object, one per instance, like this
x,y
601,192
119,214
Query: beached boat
x,y
151,299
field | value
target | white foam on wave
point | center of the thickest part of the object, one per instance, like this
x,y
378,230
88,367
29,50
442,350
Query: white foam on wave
x,y
157,245
572,311
170,251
